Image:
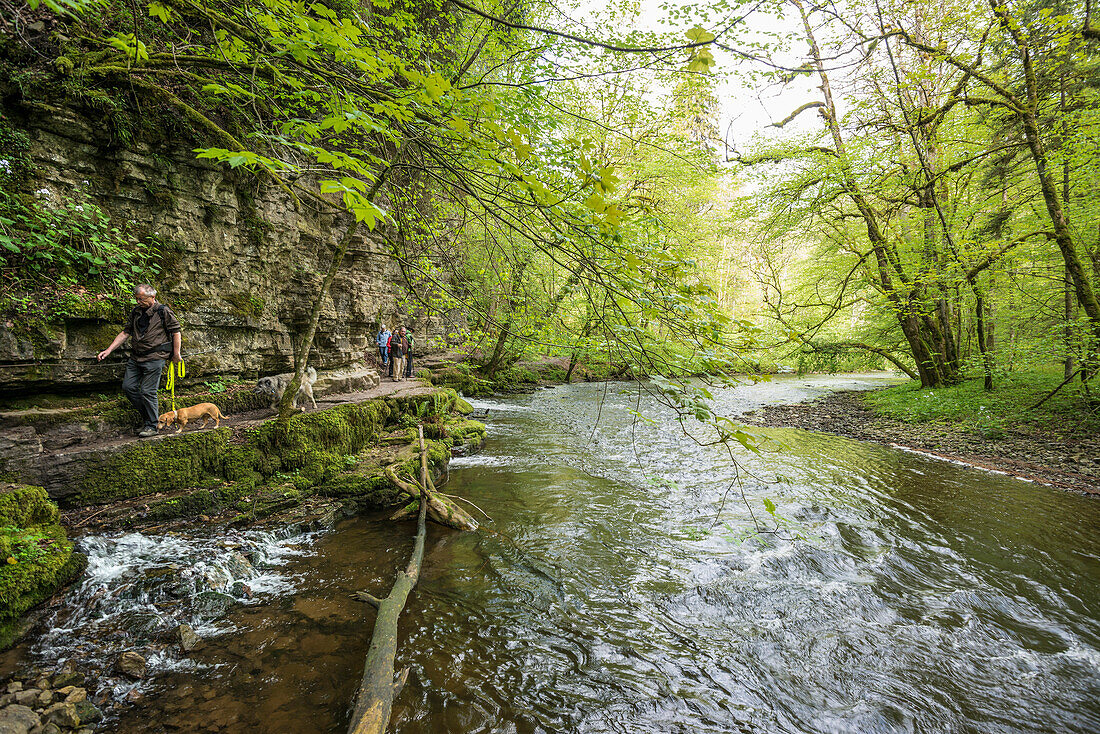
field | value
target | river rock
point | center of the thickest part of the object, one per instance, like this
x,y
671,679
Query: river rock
x,y
215,579
50,728
27,697
131,664
68,678
188,639
213,603
87,712
15,686
73,694
241,590
239,566
45,698
17,719
62,714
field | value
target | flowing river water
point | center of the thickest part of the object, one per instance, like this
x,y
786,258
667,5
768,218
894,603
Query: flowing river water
x,y
629,581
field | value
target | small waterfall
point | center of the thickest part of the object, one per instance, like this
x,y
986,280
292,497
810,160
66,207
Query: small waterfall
x,y
140,591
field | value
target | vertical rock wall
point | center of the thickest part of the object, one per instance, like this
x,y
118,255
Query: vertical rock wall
x,y
243,267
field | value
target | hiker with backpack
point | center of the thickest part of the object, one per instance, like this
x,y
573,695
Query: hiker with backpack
x,y
409,356
154,335
382,339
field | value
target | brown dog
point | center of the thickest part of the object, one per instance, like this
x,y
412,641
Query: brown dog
x,y
183,416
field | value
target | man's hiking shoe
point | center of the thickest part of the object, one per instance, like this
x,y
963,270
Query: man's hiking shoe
x,y
147,432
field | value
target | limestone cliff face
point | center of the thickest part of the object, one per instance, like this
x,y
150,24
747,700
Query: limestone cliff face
x,y
244,269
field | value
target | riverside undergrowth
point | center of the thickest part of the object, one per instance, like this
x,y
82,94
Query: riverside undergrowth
x,y
1014,403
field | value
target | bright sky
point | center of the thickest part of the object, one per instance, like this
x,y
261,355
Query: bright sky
x,y
745,108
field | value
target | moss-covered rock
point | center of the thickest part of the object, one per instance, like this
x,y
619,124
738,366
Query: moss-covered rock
x,y
36,558
23,507
152,466
461,377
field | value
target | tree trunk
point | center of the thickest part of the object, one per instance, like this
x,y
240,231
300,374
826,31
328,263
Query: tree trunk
x,y
302,358
1063,235
979,313
374,704
933,352
493,364
574,356
440,509
514,302
1069,365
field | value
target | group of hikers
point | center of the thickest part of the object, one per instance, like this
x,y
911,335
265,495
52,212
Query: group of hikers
x,y
155,338
395,349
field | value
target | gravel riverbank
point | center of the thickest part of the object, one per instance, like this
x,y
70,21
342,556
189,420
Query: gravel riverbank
x,y
1036,454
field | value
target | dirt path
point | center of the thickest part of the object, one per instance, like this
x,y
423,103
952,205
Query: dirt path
x,y
1066,461
77,437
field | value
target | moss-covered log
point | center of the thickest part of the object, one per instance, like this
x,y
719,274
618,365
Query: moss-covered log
x,y
440,509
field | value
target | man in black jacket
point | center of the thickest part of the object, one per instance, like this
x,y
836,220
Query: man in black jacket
x,y
155,336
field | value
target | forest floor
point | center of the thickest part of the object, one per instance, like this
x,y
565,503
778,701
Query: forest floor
x,y
1039,453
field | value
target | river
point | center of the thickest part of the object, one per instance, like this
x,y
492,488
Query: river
x,y
632,579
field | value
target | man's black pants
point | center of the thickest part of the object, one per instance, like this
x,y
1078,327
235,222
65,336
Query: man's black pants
x,y
140,386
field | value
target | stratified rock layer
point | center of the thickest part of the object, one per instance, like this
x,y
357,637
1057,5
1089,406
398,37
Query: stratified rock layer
x,y
243,269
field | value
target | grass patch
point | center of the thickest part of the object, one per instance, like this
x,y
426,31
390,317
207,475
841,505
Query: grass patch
x,y
990,414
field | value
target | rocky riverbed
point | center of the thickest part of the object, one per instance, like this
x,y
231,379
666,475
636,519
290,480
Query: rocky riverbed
x,y
48,705
1040,454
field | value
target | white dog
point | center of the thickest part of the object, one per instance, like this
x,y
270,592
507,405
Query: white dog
x,y
276,385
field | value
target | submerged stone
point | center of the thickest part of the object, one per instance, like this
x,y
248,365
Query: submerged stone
x,y
87,712
189,640
131,665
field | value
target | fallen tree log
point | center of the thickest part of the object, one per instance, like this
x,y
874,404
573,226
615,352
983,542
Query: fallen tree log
x,y
379,686
440,509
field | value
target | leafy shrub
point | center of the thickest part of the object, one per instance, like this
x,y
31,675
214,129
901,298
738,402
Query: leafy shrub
x,y
60,255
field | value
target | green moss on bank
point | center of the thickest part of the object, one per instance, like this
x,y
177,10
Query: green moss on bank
x,y
314,452
465,379
36,558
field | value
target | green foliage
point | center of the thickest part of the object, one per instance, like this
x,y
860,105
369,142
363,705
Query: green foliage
x,y
431,127
885,232
991,413
69,243
63,250
66,259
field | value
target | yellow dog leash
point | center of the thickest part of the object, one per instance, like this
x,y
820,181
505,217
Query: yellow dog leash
x,y
172,371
